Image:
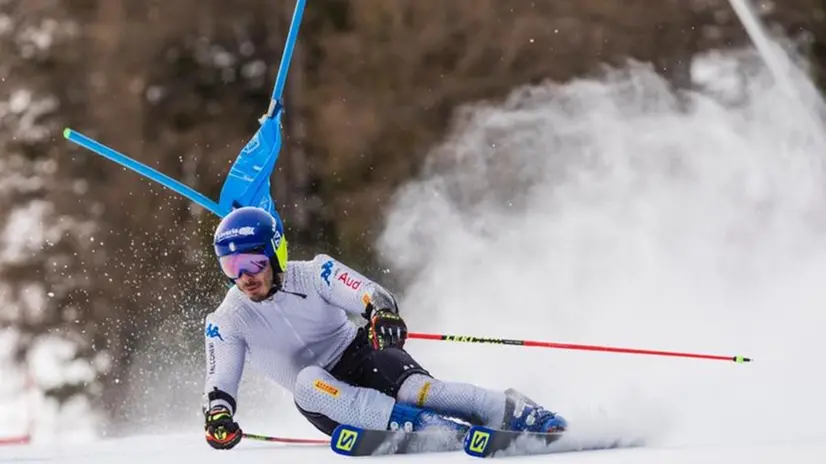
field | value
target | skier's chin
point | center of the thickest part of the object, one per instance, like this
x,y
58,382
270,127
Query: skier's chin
x,y
255,291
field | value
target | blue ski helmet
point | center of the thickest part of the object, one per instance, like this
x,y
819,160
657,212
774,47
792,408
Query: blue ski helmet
x,y
252,230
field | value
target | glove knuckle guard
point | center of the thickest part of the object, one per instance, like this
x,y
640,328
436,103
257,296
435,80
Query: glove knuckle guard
x,y
222,432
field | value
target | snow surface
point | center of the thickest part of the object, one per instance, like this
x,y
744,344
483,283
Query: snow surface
x,y
190,448
603,212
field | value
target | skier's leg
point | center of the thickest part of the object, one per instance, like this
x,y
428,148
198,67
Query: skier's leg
x,y
507,410
363,375
345,394
326,402
463,400
393,371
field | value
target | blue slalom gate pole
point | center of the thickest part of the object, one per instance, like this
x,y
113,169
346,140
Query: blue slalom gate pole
x,y
287,55
142,169
247,183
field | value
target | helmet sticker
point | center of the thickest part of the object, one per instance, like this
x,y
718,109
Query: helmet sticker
x,y
236,232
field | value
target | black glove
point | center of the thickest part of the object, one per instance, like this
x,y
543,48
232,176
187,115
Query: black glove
x,y
385,329
221,431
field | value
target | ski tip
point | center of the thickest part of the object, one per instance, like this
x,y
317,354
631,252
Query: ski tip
x,y
344,439
477,441
741,359
67,133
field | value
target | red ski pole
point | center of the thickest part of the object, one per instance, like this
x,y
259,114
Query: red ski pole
x,y
21,440
571,346
302,441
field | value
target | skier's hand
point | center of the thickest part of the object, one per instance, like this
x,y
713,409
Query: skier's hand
x,y
221,431
386,329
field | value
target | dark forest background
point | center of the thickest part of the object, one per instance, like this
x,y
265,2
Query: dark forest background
x,y
179,85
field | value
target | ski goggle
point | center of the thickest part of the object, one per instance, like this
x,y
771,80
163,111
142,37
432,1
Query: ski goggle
x,y
235,265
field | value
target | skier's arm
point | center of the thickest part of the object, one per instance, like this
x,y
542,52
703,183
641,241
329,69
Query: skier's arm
x,y
349,290
225,352
342,286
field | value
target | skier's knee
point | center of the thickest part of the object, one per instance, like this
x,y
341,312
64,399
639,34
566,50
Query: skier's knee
x,y
415,389
312,385
322,397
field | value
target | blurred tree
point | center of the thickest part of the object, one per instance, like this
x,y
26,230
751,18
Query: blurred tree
x,y
46,250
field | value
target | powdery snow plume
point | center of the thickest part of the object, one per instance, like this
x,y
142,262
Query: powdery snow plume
x,y
620,212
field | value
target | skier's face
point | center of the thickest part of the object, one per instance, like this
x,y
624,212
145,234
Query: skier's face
x,y
257,286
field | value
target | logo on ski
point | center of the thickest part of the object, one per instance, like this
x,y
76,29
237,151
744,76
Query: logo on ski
x,y
479,441
346,440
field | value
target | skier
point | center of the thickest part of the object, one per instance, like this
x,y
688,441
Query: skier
x,y
289,319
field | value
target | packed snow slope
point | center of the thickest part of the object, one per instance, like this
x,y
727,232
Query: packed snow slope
x,y
178,449
615,212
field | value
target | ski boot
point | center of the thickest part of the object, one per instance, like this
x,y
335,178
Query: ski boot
x,y
525,415
410,418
